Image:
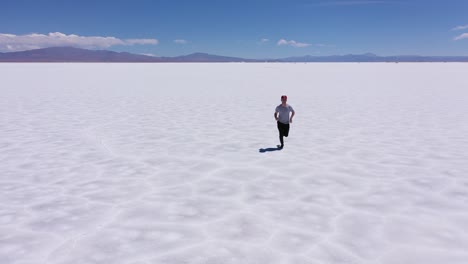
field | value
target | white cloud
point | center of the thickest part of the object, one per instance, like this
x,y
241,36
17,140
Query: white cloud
x,y
283,42
141,42
462,36
180,41
460,27
262,41
10,42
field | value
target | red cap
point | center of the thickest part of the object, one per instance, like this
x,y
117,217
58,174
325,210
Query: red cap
x,y
284,97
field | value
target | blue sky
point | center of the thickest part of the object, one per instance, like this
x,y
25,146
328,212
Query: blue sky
x,y
242,28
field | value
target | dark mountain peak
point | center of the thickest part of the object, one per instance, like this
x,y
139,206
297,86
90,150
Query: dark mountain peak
x,y
205,57
73,54
200,54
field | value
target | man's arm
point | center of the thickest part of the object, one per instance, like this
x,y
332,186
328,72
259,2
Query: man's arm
x,y
292,115
276,116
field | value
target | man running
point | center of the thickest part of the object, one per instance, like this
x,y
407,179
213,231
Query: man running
x,y
282,117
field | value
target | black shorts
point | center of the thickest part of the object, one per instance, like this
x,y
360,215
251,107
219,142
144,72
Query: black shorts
x,y
283,129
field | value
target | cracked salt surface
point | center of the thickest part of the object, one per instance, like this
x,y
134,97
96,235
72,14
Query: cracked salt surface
x,y
160,163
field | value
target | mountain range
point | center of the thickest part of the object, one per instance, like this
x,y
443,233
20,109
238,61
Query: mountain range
x,y
71,54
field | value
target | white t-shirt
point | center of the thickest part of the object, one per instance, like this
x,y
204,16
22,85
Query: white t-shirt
x,y
284,112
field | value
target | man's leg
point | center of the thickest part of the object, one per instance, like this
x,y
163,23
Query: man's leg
x,y
286,130
281,134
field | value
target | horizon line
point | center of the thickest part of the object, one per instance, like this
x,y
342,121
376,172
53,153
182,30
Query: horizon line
x,y
369,54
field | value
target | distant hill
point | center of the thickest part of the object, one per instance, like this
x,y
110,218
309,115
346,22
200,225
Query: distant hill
x,y
204,57
369,57
70,54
